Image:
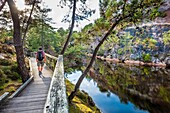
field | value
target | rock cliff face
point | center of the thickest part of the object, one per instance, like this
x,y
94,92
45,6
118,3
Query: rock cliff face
x,y
165,7
167,18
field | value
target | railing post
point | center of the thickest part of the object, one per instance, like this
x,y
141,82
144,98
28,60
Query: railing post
x,y
57,100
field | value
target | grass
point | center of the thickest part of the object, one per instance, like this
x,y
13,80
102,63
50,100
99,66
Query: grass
x,y
80,103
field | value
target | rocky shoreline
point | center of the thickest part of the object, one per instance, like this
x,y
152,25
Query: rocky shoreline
x,y
131,62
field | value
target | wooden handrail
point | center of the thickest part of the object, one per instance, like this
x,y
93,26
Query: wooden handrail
x,y
4,96
57,100
51,61
50,56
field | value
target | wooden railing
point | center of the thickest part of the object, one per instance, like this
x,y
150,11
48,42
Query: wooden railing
x,y
51,61
56,100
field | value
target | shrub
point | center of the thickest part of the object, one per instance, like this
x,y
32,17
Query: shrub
x,y
2,81
120,51
1,88
14,76
14,68
5,62
146,57
7,72
1,73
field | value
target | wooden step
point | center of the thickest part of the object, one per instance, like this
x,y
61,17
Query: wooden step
x,y
33,94
40,83
37,87
27,100
24,104
25,93
22,109
30,97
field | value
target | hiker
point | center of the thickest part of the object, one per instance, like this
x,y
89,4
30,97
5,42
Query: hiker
x,y
41,59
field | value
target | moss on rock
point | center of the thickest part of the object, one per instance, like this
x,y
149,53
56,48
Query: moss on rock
x,y
82,102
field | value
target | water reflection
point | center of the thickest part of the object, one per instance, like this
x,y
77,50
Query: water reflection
x,y
116,88
106,101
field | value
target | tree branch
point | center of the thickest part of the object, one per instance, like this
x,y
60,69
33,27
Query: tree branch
x,y
71,28
28,23
3,4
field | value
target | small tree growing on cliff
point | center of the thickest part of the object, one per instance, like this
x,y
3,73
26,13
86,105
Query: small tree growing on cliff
x,y
119,12
166,38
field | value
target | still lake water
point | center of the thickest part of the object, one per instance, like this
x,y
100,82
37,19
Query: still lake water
x,y
107,102
116,88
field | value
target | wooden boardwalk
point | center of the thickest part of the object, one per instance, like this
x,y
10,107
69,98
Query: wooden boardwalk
x,y
32,99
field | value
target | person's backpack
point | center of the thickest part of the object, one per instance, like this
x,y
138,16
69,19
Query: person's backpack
x,y
40,55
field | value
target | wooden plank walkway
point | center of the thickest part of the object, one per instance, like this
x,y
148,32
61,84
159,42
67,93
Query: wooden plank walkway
x,y
32,99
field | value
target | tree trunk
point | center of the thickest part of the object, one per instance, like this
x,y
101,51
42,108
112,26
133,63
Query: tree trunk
x,y
71,29
28,23
71,96
17,41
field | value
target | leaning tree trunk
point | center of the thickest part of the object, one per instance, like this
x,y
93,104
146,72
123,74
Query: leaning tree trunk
x,y
28,23
71,29
17,41
71,96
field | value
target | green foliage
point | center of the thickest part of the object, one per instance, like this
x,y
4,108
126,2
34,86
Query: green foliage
x,y
146,71
149,43
75,52
100,25
164,93
120,51
134,11
5,35
166,38
6,62
146,57
103,6
14,76
87,27
62,32
2,81
33,39
51,38
9,70
1,73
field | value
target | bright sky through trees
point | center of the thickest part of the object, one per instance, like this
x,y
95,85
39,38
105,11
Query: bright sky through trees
x,y
58,13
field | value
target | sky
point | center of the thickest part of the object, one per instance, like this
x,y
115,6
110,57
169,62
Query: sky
x,y
58,13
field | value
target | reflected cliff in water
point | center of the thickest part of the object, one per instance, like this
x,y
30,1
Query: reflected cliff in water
x,y
118,88
146,87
